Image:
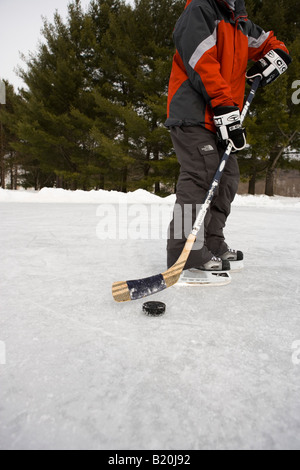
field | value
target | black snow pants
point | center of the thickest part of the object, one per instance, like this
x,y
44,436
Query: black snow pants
x,y
199,155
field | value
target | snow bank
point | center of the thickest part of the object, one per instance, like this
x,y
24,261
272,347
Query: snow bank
x,y
53,195
266,201
140,196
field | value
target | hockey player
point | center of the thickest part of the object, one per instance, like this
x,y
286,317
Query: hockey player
x,y
214,41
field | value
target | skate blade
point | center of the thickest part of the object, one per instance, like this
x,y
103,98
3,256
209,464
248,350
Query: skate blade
x,y
196,278
236,266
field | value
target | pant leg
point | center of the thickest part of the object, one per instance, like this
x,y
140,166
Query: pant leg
x,y
221,206
198,155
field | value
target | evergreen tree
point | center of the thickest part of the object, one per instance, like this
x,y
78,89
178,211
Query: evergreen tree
x,y
273,123
10,159
58,106
93,112
137,56
158,19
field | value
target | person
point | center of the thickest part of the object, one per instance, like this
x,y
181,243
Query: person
x,y
214,41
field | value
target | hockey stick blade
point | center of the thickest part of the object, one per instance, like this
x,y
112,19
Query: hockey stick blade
x,y
140,288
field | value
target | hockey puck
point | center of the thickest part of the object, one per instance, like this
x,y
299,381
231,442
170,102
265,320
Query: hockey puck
x,y
154,309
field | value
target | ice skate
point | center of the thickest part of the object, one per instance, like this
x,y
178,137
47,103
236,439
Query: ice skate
x,y
236,259
214,272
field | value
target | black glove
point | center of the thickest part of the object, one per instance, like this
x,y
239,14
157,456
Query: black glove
x,y
273,64
227,120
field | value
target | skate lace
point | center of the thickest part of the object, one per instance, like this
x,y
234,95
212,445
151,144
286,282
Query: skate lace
x,y
214,258
231,250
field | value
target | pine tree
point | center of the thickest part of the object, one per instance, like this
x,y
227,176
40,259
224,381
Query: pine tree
x,y
93,112
274,119
10,159
57,108
158,19
131,97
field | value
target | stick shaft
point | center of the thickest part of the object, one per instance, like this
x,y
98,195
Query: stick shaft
x,y
140,288
216,181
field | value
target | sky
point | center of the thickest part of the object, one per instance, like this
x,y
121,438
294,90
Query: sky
x,y
20,31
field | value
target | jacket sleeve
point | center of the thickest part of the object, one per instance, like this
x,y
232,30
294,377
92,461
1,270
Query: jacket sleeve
x,y
260,42
195,38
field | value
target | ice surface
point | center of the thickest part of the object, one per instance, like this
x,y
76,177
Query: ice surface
x,y
84,372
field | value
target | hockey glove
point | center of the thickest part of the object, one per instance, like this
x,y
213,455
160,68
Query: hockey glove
x,y
227,120
273,64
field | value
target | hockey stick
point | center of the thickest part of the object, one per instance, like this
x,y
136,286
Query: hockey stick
x,y
139,288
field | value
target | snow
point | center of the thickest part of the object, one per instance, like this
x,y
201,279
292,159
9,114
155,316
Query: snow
x,y
55,195
217,371
140,196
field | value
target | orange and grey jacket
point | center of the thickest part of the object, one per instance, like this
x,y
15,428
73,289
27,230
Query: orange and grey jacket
x,y
214,44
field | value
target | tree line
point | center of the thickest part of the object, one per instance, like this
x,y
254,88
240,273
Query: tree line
x,y
92,110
